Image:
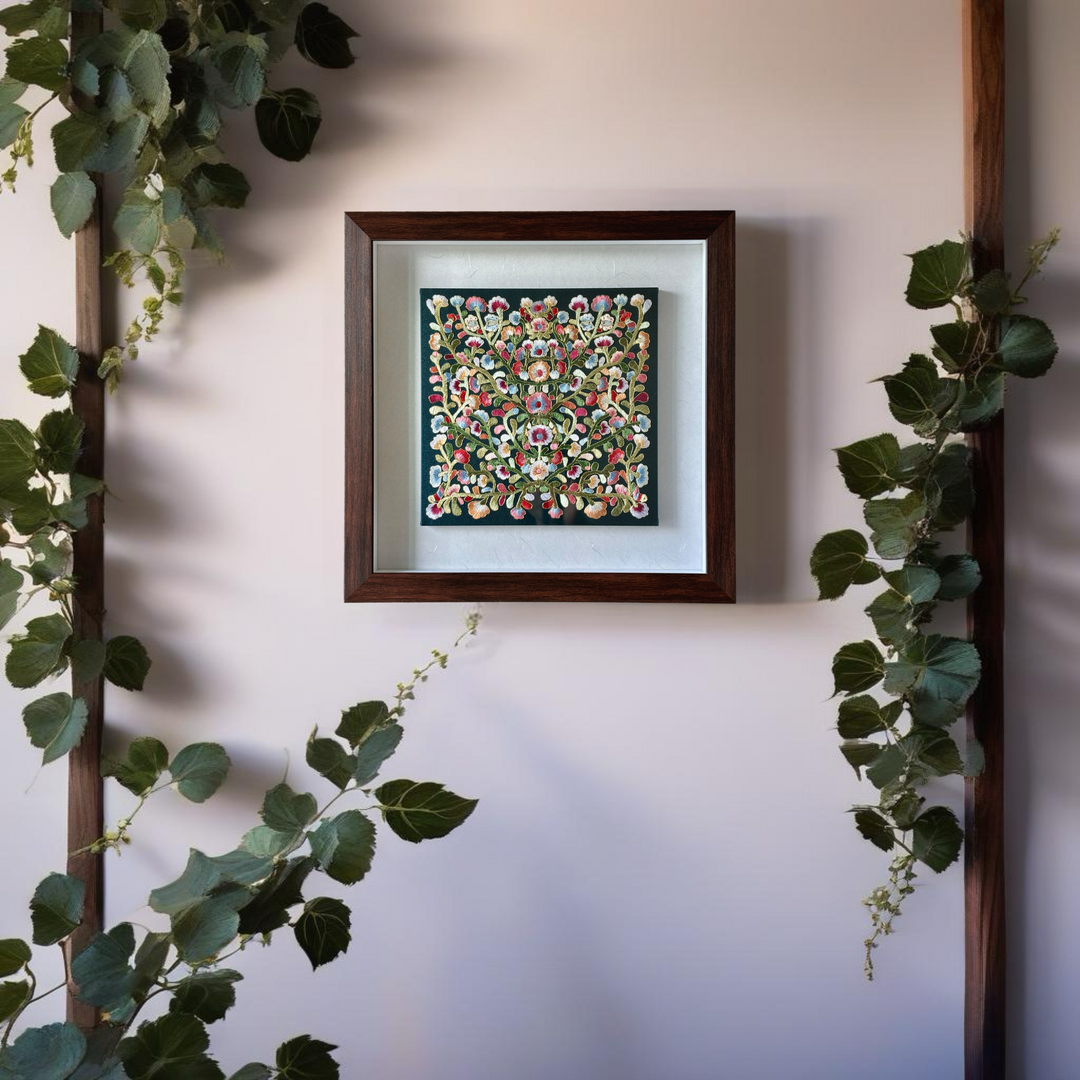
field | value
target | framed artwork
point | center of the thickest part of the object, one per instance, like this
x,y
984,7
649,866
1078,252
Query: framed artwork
x,y
567,370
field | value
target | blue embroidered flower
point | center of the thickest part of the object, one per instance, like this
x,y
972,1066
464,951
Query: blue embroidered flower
x,y
620,300
435,475
643,423
457,301
641,475
477,304
601,303
487,361
438,423
563,317
514,318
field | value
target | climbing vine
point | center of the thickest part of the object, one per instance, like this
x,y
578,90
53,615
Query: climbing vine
x,y
146,100
899,737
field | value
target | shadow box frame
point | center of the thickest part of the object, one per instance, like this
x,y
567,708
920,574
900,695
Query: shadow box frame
x,y
716,230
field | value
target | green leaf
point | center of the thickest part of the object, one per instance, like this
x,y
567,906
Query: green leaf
x,y
288,121
374,751
269,908
323,38
11,120
209,995
217,185
954,343
199,770
918,395
974,757
55,724
126,662
305,1058
56,908
838,561
76,139
11,90
87,660
46,18
254,1071
72,198
237,73
119,150
914,460
38,61
14,955
930,752
38,653
204,875
895,524
147,758
73,510
51,1052
888,766
202,929
992,293
983,398
329,759
344,846
936,838
18,454
50,364
875,829
950,490
11,583
937,675
359,721
422,811
937,274
12,995
1026,346
323,930
50,554
173,1047
139,221
103,972
858,753
863,715
141,14
146,66
285,811
265,842
870,466
895,613
856,667
59,440
959,574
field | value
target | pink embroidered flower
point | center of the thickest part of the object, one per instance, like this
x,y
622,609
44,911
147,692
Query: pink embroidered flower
x,y
601,303
539,469
603,341
518,513
498,303
540,435
474,343
538,403
539,371
579,304
476,303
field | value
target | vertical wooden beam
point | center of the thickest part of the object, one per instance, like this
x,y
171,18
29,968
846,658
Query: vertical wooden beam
x,y
85,789
984,865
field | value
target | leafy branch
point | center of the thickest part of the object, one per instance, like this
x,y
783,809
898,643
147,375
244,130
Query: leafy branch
x,y
912,494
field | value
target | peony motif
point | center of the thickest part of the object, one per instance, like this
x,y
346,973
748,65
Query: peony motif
x,y
538,403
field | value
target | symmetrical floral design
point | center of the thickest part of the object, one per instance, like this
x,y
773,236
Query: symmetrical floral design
x,y
540,412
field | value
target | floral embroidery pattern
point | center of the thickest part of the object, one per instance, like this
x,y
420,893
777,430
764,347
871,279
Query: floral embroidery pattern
x,y
539,412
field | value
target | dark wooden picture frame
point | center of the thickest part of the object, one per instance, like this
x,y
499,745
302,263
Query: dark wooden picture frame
x,y
363,583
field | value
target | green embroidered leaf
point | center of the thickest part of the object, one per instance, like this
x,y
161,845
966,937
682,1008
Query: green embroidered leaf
x,y
323,38
199,770
839,559
937,675
56,908
50,364
209,995
919,396
72,198
126,662
288,121
287,812
38,61
173,1047
329,759
305,1058
269,908
141,769
344,846
323,930
937,838
938,274
856,667
38,653
361,720
18,457
870,466
422,811
875,828
1026,346
14,954
863,715
374,751
103,972
59,440
895,524
55,724
51,1052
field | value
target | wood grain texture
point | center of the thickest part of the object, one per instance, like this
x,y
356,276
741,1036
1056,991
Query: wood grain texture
x,y
85,810
717,583
984,860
